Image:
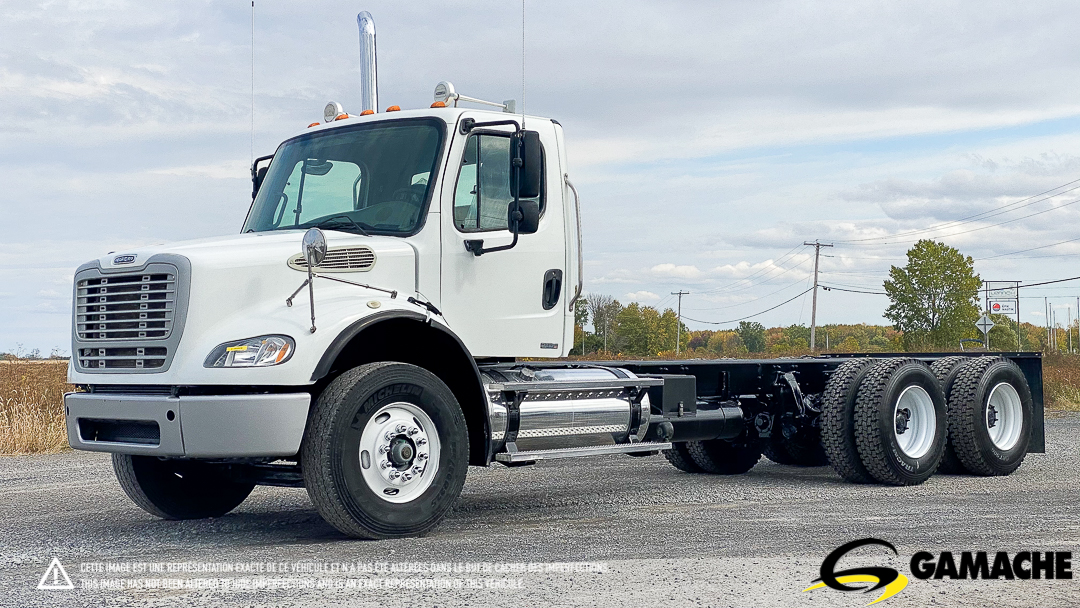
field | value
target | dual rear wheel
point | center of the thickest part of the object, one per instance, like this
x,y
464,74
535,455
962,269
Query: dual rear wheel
x,y
896,421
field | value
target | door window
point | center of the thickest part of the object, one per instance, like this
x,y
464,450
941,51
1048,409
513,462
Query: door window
x,y
482,194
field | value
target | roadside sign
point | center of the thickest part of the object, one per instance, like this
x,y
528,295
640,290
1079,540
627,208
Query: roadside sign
x,y
984,324
1007,307
1003,294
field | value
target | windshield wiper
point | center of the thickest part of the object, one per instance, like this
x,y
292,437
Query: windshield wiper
x,y
336,219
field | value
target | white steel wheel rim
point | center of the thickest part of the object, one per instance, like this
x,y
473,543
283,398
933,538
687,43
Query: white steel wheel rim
x,y
1004,416
915,421
399,452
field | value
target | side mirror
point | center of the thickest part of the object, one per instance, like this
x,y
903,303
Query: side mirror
x,y
314,247
258,174
526,158
526,217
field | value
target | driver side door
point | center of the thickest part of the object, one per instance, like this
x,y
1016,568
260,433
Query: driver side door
x,y
505,303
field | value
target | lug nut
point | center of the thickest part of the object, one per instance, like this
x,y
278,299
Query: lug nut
x,y
406,476
385,464
401,428
395,474
413,431
421,441
384,449
421,455
388,436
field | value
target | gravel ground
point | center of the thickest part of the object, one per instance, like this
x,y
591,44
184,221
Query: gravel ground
x,y
646,534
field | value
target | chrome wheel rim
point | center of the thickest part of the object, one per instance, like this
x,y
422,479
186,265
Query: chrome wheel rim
x,y
1004,416
399,452
915,422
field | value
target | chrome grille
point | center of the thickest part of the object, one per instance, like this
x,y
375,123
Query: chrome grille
x,y
129,320
339,259
125,307
140,357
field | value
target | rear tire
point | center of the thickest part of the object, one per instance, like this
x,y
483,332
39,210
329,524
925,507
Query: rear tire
x,y
178,489
802,450
679,457
990,416
722,457
945,370
900,422
385,451
838,420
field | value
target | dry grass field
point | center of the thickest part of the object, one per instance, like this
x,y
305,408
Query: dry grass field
x,y
31,406
1061,382
32,418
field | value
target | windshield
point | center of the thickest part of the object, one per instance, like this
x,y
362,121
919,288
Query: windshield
x,y
372,178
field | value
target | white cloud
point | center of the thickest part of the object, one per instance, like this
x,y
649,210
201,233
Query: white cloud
x,y
705,147
641,296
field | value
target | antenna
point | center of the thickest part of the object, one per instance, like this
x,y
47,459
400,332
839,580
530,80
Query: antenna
x,y
522,64
252,81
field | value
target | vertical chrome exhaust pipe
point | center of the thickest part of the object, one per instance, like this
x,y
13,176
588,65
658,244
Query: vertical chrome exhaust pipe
x,y
369,80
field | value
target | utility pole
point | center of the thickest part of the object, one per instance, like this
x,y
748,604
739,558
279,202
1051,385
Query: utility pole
x,y
813,309
678,328
1046,312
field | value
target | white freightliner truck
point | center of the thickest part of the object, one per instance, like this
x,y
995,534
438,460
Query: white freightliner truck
x,y
363,337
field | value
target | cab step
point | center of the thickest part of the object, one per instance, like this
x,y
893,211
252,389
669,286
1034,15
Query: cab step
x,y
597,450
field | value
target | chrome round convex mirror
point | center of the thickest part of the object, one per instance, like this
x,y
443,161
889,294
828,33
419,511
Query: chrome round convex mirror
x,y
314,247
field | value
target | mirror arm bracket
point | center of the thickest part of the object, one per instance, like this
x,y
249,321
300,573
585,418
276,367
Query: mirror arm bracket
x,y
468,124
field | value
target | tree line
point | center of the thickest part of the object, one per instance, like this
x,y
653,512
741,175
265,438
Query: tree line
x,y
934,301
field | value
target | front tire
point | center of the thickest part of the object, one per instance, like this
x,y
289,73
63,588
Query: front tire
x,y
900,422
385,452
178,489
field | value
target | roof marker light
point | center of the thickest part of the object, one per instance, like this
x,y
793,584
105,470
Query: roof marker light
x,y
314,124
341,116
438,104
367,112
393,109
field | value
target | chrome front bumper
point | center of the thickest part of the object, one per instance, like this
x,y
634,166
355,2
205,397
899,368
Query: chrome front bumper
x,y
213,426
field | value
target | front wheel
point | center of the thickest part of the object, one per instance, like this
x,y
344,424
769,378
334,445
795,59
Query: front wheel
x,y
385,452
178,489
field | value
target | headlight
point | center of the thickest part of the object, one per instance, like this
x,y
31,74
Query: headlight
x,y
262,351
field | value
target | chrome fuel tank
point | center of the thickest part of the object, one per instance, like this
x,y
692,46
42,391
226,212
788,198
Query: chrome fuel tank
x,y
560,408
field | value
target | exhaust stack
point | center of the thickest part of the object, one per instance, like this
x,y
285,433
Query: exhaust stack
x,y
369,81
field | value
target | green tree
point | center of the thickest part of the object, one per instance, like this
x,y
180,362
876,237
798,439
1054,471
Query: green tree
x,y
581,317
753,335
934,297
603,310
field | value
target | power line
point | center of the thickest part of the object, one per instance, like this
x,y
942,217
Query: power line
x,y
767,269
1023,217
784,288
830,288
974,217
1026,250
753,315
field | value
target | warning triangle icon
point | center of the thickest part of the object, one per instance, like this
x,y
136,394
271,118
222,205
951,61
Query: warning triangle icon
x,y
55,577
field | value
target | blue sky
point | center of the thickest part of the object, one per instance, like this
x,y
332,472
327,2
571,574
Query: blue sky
x,y
708,139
